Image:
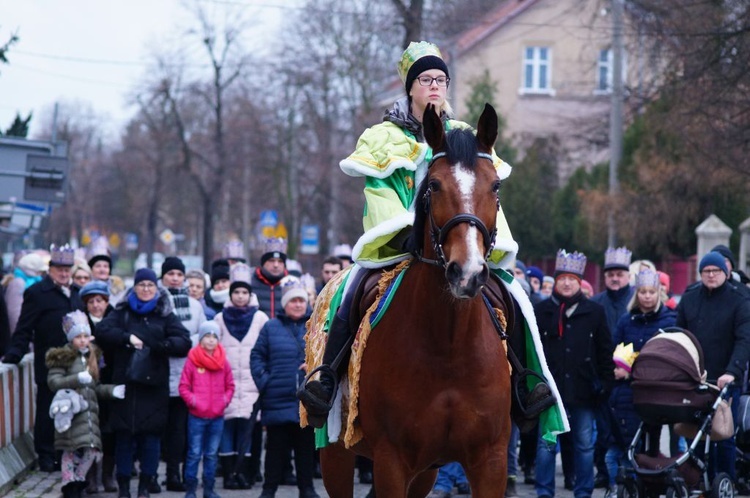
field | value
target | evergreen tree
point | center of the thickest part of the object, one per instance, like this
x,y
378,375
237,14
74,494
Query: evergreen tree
x,y
20,127
483,91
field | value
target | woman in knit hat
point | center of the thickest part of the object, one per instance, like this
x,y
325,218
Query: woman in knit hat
x,y
393,157
646,315
240,322
95,297
143,321
277,362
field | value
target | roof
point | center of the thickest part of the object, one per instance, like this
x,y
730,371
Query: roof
x,y
494,20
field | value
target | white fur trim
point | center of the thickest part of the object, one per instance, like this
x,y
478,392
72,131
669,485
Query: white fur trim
x,y
391,226
355,168
510,247
527,310
504,170
334,416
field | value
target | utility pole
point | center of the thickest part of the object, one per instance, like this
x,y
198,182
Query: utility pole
x,y
615,119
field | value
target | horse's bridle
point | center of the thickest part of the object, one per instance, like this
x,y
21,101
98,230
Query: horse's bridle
x,y
439,234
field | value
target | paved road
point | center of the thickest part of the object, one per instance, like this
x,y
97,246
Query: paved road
x,y
43,485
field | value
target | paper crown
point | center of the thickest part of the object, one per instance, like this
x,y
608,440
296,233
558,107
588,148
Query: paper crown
x,y
234,249
647,278
624,356
62,256
343,251
240,272
414,52
76,323
98,247
574,263
274,245
291,289
617,258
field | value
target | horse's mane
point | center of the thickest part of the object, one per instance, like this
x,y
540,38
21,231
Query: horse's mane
x,y
460,146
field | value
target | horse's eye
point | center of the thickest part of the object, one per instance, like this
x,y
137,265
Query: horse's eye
x,y
496,186
434,185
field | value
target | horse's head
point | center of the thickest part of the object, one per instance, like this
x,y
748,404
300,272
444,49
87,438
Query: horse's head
x,y
458,201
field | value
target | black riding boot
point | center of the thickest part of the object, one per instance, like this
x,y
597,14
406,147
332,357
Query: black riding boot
x,y
317,395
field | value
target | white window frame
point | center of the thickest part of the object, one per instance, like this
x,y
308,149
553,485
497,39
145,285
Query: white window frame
x,y
536,63
608,64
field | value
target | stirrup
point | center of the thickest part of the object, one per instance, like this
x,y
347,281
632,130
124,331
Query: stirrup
x,y
527,406
311,394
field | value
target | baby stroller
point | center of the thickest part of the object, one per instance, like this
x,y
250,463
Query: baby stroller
x,y
669,387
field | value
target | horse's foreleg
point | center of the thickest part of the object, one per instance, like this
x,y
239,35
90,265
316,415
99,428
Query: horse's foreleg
x,y
337,466
422,484
391,476
488,472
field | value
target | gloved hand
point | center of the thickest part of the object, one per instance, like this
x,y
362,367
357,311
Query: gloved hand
x,y
12,359
119,391
85,378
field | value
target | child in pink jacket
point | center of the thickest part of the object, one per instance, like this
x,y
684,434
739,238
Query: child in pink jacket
x,y
206,386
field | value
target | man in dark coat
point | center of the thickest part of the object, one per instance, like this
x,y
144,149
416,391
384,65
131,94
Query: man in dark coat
x,y
614,299
717,312
44,306
578,348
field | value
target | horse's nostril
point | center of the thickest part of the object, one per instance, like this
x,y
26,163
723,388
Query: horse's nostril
x,y
453,272
483,276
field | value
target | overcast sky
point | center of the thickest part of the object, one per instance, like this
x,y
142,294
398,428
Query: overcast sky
x,y
92,51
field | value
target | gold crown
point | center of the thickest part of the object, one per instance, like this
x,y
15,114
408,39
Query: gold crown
x,y
624,356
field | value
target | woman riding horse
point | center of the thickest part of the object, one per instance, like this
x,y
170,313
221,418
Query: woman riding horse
x,y
393,157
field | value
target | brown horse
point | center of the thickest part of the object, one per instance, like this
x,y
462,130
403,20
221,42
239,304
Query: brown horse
x,y
435,380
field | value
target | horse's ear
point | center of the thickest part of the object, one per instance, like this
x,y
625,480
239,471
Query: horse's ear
x,y
434,133
487,128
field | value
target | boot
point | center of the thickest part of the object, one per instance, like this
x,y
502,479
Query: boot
x,y
174,479
91,484
67,490
191,485
308,493
510,488
230,479
123,486
144,482
208,489
246,474
108,472
153,485
317,395
268,493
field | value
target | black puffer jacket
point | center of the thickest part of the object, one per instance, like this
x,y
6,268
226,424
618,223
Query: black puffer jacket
x,y
144,409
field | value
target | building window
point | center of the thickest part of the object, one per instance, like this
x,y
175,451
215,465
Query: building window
x,y
604,72
537,70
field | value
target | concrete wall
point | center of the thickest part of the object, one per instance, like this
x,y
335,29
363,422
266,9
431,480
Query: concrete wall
x,y
18,399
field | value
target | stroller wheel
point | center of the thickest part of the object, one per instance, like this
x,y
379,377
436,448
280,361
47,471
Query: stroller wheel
x,y
722,486
678,490
629,489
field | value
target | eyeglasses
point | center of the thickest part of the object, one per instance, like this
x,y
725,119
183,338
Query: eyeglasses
x,y
440,80
711,271
82,277
146,285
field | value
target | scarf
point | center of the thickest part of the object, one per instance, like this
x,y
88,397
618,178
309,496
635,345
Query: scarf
x,y
219,297
142,307
400,115
238,320
565,304
28,280
202,359
180,303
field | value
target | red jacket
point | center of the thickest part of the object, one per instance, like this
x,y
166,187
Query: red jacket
x,y
206,392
